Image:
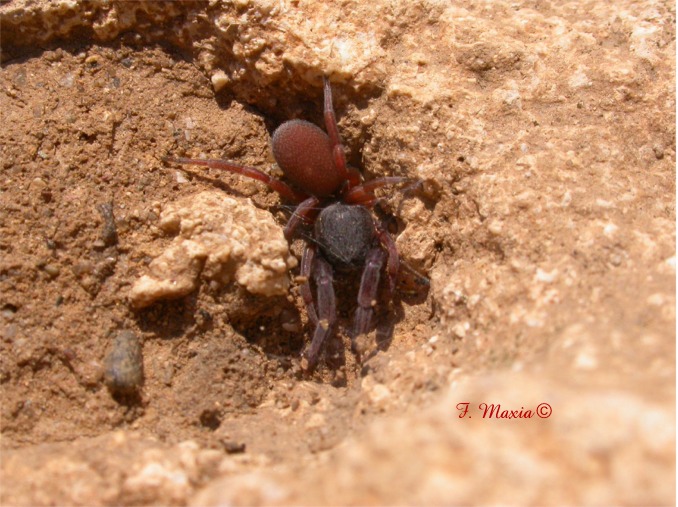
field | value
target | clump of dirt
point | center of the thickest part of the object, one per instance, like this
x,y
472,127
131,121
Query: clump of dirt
x,y
222,239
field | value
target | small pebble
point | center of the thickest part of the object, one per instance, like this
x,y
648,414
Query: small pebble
x,y
92,60
52,270
109,234
180,177
123,367
219,80
67,81
8,312
233,447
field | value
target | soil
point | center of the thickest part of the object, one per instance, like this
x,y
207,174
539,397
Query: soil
x,y
546,226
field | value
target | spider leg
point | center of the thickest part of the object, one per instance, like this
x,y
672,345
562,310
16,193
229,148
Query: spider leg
x,y
351,176
302,213
305,288
392,259
363,193
280,187
327,310
367,295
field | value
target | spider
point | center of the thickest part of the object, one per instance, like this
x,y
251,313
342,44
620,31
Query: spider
x,y
330,196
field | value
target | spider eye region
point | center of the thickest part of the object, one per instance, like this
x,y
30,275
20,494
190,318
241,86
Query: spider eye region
x,y
345,233
304,153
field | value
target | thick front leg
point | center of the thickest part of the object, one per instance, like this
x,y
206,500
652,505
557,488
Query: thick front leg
x,y
351,176
302,213
326,310
283,189
367,295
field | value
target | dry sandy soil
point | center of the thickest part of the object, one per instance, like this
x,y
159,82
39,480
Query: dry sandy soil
x,y
545,134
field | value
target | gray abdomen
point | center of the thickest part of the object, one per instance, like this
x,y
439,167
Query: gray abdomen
x,y
345,234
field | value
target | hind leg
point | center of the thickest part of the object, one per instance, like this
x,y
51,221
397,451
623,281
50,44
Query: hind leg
x,y
325,308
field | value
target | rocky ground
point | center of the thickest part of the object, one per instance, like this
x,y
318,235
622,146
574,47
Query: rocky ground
x,y
544,133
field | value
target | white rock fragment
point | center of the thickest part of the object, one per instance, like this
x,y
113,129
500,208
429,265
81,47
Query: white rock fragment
x,y
156,477
180,177
377,393
219,80
604,204
546,276
495,226
508,97
579,79
461,328
610,229
223,238
644,42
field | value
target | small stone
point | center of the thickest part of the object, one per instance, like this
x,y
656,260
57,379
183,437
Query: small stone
x,y
123,367
495,227
219,80
109,234
52,270
67,81
92,60
233,447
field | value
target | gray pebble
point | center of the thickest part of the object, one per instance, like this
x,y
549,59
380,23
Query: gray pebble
x,y
109,234
123,367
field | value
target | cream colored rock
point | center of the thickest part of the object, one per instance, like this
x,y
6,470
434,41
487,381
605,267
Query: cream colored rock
x,y
485,440
120,467
222,238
